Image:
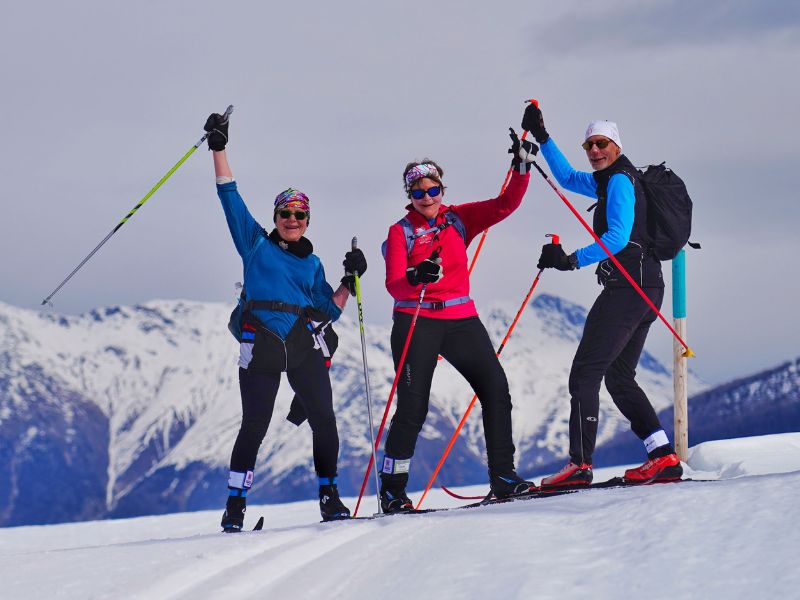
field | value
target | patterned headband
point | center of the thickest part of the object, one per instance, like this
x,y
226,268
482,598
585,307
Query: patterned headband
x,y
420,171
292,197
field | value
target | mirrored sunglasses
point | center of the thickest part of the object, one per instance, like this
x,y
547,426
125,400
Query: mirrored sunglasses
x,y
431,191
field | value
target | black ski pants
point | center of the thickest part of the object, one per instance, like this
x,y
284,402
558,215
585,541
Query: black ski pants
x,y
312,384
613,338
465,344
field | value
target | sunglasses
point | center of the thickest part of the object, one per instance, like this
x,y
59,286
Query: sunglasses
x,y
300,215
431,191
587,145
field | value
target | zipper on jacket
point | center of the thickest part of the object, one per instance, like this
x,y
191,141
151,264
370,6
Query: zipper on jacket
x,y
283,343
641,261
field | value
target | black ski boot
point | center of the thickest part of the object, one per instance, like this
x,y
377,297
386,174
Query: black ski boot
x,y
393,494
509,484
330,505
233,517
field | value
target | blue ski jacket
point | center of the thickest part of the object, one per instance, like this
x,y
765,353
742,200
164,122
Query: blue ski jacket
x,y
620,209
272,273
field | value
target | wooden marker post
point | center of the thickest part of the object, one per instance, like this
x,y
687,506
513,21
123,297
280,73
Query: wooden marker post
x,y
679,365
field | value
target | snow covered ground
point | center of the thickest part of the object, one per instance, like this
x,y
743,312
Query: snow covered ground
x,y
733,538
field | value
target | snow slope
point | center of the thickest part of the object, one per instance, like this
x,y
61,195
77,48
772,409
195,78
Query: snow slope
x,y
732,538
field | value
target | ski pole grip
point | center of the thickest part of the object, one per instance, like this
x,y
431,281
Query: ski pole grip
x,y
555,238
227,114
354,243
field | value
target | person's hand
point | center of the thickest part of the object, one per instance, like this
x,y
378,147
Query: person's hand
x,y
522,153
354,262
428,271
533,121
553,256
217,128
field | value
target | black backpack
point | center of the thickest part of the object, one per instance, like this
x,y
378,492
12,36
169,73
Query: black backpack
x,y
669,211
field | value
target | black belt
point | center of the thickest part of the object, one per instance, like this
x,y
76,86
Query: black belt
x,y
277,305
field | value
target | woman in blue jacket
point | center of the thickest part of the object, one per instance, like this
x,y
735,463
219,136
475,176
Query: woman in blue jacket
x,y
288,301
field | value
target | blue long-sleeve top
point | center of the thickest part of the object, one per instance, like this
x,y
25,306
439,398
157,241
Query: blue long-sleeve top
x,y
271,272
621,202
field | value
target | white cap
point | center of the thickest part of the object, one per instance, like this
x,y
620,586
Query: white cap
x,y
606,128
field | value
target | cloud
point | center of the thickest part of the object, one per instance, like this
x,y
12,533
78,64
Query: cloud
x,y
635,25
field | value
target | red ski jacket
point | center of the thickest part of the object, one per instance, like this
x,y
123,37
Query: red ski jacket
x,y
476,216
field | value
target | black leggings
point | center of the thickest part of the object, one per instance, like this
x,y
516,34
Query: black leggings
x,y
313,387
613,338
465,344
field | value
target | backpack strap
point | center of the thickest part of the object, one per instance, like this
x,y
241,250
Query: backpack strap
x,y
450,218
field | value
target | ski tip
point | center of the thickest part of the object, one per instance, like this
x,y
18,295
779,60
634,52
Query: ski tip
x,y
533,101
259,524
689,353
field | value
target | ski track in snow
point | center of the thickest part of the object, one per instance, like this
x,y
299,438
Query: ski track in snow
x,y
733,538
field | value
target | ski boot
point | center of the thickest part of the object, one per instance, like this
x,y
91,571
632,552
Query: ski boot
x,y
393,494
233,517
509,484
666,467
330,505
572,475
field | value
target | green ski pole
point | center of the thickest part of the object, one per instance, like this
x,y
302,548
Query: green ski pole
x,y
141,202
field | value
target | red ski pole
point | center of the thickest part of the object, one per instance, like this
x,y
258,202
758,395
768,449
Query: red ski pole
x,y
688,352
391,394
502,189
454,437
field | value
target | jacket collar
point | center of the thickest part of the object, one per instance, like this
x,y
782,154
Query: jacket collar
x,y
416,219
301,248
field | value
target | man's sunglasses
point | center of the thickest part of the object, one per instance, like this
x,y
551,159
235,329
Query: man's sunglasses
x,y
431,191
300,215
587,145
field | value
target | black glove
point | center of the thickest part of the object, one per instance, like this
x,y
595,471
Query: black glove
x,y
217,128
522,153
354,262
428,271
533,121
553,256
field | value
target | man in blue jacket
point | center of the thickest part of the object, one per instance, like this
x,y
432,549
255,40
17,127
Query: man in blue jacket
x,y
618,322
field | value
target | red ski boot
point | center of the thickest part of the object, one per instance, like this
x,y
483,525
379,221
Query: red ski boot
x,y
571,475
663,468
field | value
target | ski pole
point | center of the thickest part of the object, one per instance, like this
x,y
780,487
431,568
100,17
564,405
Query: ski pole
x,y
227,115
398,371
502,189
354,246
688,351
475,396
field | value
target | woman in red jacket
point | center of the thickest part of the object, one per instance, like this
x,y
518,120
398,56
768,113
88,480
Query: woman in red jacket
x,y
429,247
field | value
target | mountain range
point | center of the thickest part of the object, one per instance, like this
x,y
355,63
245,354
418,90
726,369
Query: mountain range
x,y
133,410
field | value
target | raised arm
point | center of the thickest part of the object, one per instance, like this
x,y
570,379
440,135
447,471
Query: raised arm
x,y
221,167
579,182
243,227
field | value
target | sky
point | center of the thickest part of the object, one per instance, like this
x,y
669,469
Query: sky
x,y
101,99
